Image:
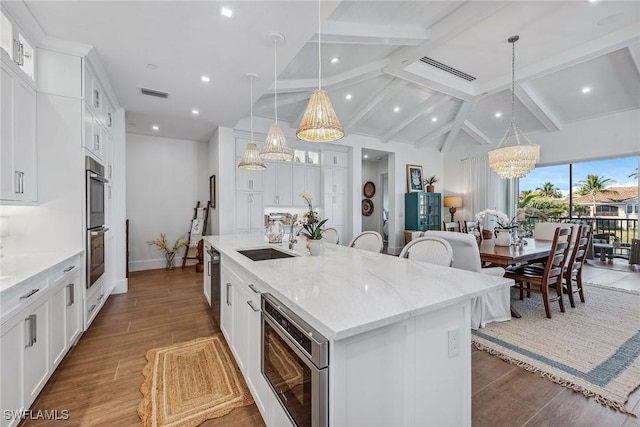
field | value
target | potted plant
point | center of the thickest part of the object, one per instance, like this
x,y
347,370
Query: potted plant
x,y
428,183
312,227
169,251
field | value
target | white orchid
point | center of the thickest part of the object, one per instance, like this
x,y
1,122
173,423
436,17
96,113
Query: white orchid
x,y
501,218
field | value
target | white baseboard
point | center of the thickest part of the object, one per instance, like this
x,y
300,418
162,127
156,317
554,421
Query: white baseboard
x,y
393,250
156,264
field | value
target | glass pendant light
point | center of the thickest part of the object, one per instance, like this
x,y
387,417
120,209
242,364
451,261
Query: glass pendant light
x,y
515,160
275,146
319,122
251,156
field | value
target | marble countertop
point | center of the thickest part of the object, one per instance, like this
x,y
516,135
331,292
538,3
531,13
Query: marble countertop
x,y
15,269
347,291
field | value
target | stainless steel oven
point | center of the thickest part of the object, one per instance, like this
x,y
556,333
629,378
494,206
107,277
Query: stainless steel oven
x,y
96,182
295,362
95,254
96,229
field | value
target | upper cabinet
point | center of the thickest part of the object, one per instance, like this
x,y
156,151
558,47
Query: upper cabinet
x,y
18,138
16,48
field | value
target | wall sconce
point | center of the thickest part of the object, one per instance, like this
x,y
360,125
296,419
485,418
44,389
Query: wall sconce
x,y
452,202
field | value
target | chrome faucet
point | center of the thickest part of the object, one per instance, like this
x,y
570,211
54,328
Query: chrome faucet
x,y
292,237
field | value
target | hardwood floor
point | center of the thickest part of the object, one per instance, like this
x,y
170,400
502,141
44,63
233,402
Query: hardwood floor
x,y
98,381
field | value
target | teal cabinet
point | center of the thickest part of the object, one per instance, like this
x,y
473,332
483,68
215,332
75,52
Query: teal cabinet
x,y
422,211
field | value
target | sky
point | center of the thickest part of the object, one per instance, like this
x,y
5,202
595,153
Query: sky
x,y
616,169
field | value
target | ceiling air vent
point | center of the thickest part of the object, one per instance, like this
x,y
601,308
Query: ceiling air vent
x,y
156,93
448,69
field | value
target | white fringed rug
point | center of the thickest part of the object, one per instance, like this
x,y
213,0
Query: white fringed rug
x,y
593,349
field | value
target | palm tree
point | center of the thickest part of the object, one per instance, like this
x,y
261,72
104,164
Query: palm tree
x,y
594,185
526,198
634,175
549,191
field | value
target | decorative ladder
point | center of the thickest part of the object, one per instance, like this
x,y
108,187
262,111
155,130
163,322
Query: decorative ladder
x,y
198,222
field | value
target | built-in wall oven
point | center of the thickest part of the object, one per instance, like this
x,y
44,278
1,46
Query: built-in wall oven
x,y
295,363
96,229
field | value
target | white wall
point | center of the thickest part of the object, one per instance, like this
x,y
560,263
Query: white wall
x,y
372,170
165,179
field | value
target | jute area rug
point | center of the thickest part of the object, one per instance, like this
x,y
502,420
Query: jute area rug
x,y
190,382
593,349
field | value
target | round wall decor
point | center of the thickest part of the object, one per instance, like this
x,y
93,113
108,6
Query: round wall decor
x,y
369,189
367,207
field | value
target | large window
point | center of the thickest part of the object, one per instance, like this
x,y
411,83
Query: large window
x,y
603,193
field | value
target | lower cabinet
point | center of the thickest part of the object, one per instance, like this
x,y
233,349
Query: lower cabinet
x,y
41,325
241,325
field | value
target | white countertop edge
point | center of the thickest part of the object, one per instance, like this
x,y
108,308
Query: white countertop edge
x,y
23,267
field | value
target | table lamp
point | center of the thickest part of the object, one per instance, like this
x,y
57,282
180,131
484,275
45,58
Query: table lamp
x,y
452,202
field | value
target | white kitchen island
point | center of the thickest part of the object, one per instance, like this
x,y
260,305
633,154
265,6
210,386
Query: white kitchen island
x,y
398,330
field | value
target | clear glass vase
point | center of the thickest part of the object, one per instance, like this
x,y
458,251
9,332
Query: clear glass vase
x,y
275,230
170,257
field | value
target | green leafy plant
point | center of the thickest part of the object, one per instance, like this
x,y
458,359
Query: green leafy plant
x,y
162,244
430,181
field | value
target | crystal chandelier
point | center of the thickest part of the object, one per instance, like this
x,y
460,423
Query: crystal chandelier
x,y
515,160
275,146
251,156
319,122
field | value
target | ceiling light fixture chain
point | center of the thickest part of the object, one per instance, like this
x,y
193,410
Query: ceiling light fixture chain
x,y
275,145
515,160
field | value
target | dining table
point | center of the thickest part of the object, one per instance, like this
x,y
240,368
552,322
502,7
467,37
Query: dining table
x,y
504,256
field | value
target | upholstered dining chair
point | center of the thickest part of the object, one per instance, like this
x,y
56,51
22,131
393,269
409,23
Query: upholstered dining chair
x,y
452,226
573,267
429,249
544,275
331,235
491,307
470,226
368,240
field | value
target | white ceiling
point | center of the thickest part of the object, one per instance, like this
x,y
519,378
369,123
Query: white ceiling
x,y
564,46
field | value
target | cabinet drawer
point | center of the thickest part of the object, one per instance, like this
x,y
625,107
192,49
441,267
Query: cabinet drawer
x,y
66,269
20,296
92,305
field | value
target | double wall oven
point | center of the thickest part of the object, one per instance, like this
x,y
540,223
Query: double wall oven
x,y
295,363
96,229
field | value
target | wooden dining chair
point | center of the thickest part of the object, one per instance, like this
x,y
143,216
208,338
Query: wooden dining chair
x,y
573,267
470,226
544,275
452,226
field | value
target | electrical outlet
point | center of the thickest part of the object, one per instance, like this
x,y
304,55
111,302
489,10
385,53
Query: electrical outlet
x,y
454,342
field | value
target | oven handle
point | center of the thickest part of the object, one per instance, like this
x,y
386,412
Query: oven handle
x,y
100,231
301,353
98,178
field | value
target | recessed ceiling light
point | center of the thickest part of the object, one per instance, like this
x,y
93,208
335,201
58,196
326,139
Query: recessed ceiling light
x,y
396,109
152,66
366,156
586,89
334,59
592,1
348,96
205,79
226,11
155,127
195,111
498,114
434,119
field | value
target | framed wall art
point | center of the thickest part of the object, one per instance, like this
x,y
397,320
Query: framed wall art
x,y
414,178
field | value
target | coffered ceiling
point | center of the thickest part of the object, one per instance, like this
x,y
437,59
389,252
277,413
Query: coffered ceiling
x,y
564,47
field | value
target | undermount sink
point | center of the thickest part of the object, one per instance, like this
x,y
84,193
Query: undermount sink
x,y
264,254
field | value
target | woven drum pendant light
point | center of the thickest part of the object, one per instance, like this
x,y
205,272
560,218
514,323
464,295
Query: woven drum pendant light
x,y
319,122
251,156
275,146
515,160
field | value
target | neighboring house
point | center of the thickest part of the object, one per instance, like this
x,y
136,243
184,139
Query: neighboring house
x,y
618,203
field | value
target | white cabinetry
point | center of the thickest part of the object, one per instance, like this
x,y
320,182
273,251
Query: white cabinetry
x,y
66,311
36,350
335,182
306,178
240,307
249,212
277,184
18,144
11,368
